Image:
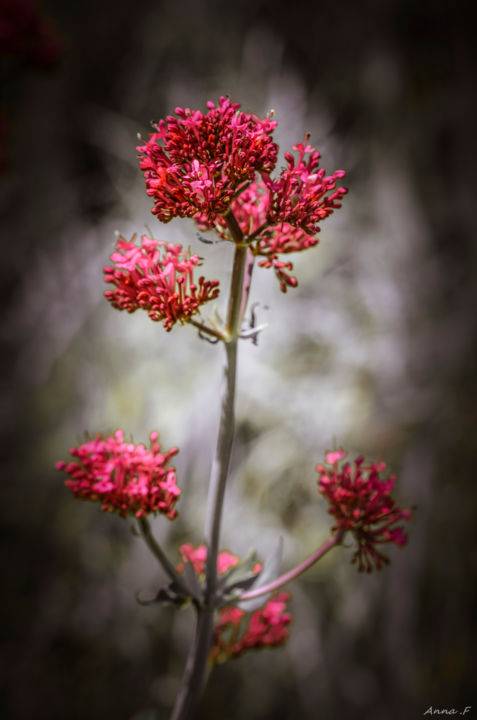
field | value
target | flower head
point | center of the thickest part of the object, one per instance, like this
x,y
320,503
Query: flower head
x,y
236,630
266,627
132,479
281,216
361,502
159,278
195,163
303,195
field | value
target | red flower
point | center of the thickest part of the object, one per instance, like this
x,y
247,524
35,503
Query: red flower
x,y
303,195
361,502
251,209
235,630
204,160
162,283
280,216
122,476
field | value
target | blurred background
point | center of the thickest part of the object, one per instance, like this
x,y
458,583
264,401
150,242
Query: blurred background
x,y
373,351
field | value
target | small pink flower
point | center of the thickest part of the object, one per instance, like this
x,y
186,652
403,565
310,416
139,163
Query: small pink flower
x,y
196,163
197,556
334,456
159,278
131,479
361,502
235,630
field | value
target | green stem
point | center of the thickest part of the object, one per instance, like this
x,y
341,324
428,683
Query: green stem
x,y
193,680
296,571
236,307
220,467
206,329
195,672
158,552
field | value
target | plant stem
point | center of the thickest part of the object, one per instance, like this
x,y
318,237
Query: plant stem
x,y
158,552
206,329
194,676
296,571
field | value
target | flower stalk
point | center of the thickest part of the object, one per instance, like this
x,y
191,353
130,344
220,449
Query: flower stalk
x,y
195,672
159,554
295,572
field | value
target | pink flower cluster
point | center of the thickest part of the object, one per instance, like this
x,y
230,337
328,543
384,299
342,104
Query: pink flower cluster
x,y
204,165
233,632
252,209
281,216
304,195
267,627
159,278
205,159
361,502
122,476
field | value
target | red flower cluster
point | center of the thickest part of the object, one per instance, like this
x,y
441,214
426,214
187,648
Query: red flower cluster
x,y
361,502
282,216
204,160
233,633
267,627
251,210
122,476
162,283
303,195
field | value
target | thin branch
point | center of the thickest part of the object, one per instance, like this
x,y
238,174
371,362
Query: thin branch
x,y
158,552
296,571
257,232
208,330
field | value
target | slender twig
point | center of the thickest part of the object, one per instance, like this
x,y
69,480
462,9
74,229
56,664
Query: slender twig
x,y
206,329
158,552
296,571
257,232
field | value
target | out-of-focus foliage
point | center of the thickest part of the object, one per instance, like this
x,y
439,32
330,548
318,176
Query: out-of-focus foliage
x,y
373,351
